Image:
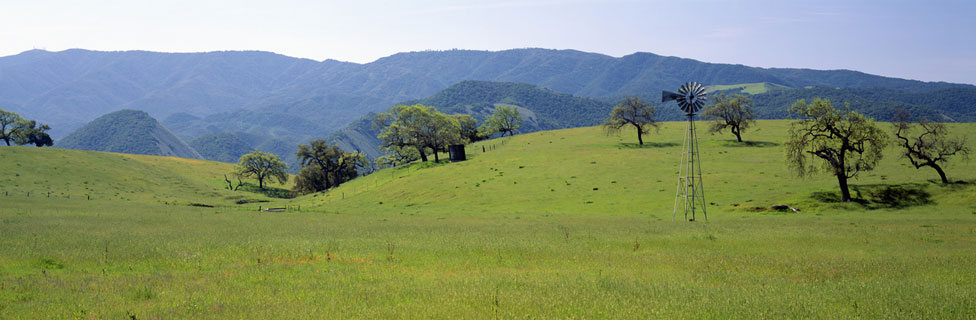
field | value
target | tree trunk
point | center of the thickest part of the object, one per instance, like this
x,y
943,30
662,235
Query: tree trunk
x,y
423,156
436,158
260,183
941,173
738,135
639,139
845,193
7,140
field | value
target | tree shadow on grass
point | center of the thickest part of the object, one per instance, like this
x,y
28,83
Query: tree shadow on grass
x,y
271,192
881,196
756,144
648,145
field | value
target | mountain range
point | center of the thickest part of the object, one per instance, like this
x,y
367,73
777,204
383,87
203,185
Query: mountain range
x,y
277,102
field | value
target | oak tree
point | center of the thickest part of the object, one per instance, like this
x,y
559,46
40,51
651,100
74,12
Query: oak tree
x,y
9,125
28,132
926,143
845,141
420,127
734,113
631,112
261,165
325,166
505,120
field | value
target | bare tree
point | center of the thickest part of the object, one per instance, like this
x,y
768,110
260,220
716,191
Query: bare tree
x,y
925,143
632,111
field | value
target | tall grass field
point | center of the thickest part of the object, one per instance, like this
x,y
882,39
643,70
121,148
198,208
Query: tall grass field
x,y
557,224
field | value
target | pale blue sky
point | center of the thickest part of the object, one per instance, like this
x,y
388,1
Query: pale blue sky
x,y
925,40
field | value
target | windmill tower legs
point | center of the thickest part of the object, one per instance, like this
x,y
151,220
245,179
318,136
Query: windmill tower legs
x,y
690,193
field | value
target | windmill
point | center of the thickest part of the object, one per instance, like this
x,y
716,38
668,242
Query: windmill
x,y
690,192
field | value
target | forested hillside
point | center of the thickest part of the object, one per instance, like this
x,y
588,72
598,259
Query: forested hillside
x,y
224,147
952,104
128,131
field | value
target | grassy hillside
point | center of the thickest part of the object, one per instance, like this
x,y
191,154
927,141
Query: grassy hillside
x,y
583,171
557,224
72,174
747,88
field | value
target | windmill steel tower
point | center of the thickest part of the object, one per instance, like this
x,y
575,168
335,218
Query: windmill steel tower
x,y
690,192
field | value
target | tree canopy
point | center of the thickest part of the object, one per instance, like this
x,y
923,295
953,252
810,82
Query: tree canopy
x,y
8,125
633,112
23,131
325,166
29,132
505,120
846,142
735,113
261,165
420,127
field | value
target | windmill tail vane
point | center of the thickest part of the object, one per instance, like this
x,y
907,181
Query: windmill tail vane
x,y
669,96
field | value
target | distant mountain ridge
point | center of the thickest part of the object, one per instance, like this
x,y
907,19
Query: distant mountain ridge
x,y
128,131
69,88
275,102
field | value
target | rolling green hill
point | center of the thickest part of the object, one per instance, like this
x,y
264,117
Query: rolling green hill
x,y
747,88
554,224
586,172
116,177
128,131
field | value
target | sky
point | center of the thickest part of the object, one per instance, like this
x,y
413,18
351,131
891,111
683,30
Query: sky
x,y
924,40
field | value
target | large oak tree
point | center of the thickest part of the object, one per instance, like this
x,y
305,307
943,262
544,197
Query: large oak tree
x,y
325,166
845,142
261,166
420,127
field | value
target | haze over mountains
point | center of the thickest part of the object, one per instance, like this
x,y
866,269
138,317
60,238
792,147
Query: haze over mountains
x,y
277,102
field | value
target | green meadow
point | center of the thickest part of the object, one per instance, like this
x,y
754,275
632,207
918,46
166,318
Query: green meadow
x,y
557,224
748,88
